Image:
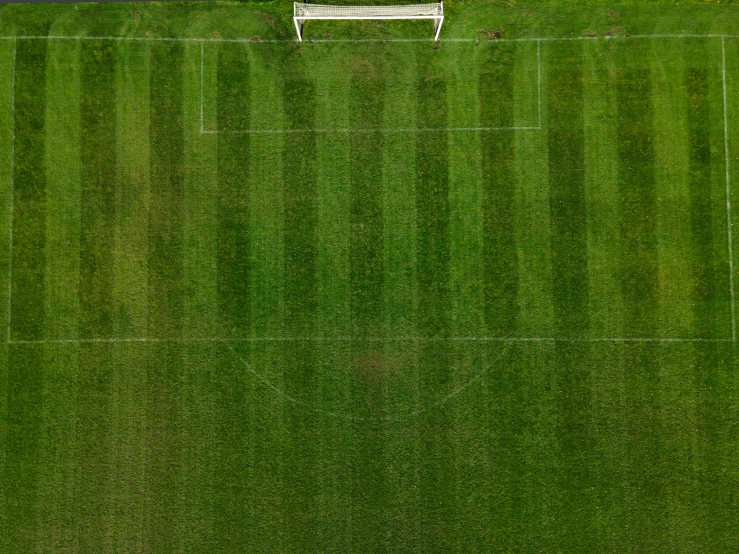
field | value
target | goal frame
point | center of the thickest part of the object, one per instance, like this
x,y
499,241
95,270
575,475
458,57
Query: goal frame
x,y
435,13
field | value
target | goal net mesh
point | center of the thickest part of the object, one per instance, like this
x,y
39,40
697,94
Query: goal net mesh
x,y
311,11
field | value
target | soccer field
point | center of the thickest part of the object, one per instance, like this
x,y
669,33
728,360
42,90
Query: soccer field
x,y
369,293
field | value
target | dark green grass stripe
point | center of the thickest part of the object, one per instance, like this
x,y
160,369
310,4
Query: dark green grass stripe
x,y
639,281
233,192
638,212
300,170
25,364
98,172
701,221
366,241
98,160
366,274
715,386
500,260
434,318
18,510
567,191
29,192
92,446
164,391
167,190
570,294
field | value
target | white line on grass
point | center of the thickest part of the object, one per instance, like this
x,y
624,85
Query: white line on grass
x,y
116,340
371,40
378,130
389,419
202,83
12,188
728,193
538,78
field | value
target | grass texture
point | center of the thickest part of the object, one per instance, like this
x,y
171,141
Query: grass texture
x,y
384,296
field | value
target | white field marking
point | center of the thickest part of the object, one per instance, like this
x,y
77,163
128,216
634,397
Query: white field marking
x,y
202,82
728,193
538,78
122,340
388,419
372,40
12,188
381,129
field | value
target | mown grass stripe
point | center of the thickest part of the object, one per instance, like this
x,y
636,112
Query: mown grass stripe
x,y
570,291
98,157
164,402
367,280
698,87
98,187
436,479
639,285
63,174
496,97
29,192
567,191
300,198
637,202
233,193
130,291
26,365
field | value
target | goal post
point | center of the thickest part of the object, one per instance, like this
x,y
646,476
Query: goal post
x,y
303,12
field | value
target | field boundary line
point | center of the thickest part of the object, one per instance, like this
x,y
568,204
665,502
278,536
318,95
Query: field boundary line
x,y
583,340
370,40
12,188
728,192
389,419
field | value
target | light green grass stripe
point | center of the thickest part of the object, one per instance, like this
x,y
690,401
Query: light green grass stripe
x,y
601,190
130,291
57,456
465,191
672,111
333,384
436,478
266,182
200,362
7,82
532,196
63,174
300,204
400,235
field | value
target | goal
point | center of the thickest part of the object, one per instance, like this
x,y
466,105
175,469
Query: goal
x,y
303,12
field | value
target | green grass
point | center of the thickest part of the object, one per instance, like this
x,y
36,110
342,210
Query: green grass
x,y
221,340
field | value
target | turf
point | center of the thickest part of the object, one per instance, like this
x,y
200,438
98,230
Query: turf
x,y
368,296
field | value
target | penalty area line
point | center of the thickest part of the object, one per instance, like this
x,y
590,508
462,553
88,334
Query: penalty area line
x,y
12,189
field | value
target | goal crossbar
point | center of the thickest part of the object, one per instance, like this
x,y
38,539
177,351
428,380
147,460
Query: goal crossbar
x,y
302,12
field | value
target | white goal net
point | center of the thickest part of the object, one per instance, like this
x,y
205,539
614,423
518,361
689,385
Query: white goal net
x,y
303,12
